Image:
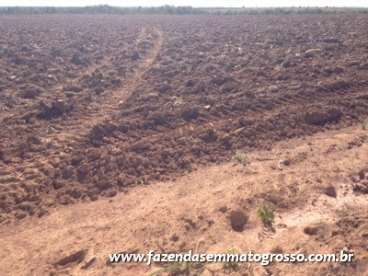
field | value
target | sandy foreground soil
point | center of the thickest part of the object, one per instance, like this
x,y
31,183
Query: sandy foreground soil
x,y
295,177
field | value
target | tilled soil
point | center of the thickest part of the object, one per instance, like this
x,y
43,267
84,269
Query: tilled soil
x,y
121,101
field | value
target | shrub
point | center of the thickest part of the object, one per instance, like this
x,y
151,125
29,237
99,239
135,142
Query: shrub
x,y
266,214
241,158
231,265
365,124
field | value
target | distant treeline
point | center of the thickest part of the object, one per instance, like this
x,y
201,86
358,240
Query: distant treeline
x,y
105,9
101,9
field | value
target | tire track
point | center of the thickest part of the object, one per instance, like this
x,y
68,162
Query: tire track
x,y
80,127
74,130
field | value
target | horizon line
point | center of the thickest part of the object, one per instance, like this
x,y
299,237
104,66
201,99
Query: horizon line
x,y
180,6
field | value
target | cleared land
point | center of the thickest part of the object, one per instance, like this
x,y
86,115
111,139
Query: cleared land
x,y
96,105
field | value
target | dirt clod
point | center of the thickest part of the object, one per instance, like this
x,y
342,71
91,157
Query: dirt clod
x,y
311,230
54,110
319,118
238,219
330,191
76,257
223,209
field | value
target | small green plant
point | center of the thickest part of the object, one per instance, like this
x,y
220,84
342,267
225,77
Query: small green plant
x,y
179,268
140,181
365,124
241,158
173,269
231,265
266,214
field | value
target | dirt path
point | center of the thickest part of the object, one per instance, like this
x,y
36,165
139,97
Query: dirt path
x,y
110,105
177,215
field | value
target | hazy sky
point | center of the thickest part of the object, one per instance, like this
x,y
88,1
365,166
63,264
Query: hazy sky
x,y
194,3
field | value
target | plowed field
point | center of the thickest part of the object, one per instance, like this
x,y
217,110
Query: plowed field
x,y
91,106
